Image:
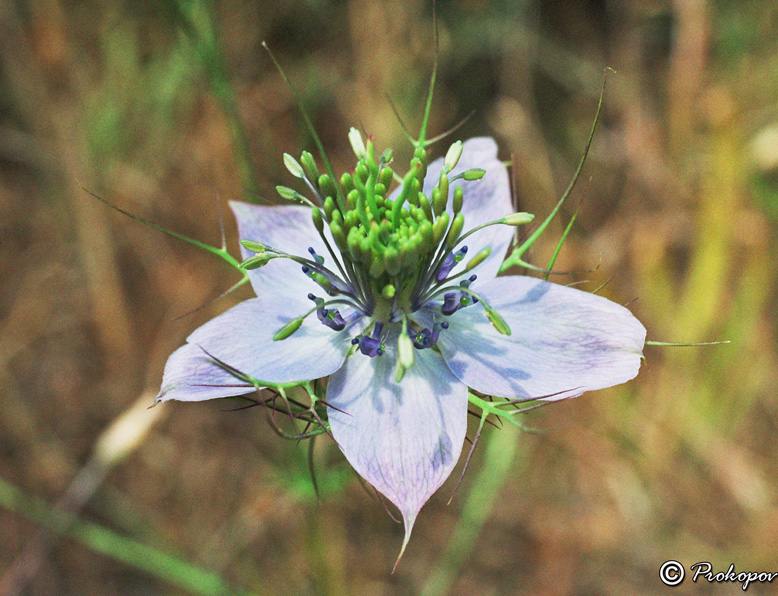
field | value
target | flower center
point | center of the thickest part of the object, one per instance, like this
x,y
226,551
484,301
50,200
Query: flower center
x,y
393,255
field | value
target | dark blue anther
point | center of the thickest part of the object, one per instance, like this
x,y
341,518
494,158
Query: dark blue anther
x,y
426,338
468,299
453,301
369,346
450,303
318,258
450,262
330,318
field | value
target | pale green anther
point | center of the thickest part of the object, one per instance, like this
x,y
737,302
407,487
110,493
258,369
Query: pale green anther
x,y
418,213
329,205
439,228
288,329
438,201
287,193
357,144
309,167
347,183
256,261
380,189
452,156
388,291
326,186
459,197
425,206
318,219
253,246
337,217
405,350
455,231
295,169
478,258
518,219
473,174
393,261
497,321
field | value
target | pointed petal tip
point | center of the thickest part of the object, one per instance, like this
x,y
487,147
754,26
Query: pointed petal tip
x,y
408,521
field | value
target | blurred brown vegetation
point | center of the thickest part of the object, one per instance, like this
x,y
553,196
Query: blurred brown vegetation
x,y
160,106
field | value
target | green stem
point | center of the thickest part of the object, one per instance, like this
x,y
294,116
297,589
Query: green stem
x,y
219,252
146,558
498,460
559,246
312,130
518,252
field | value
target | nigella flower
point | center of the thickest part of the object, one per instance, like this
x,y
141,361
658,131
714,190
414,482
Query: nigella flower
x,y
409,314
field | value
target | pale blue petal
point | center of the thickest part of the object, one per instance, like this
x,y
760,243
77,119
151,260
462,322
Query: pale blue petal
x,y
404,438
191,375
563,341
242,338
287,228
485,200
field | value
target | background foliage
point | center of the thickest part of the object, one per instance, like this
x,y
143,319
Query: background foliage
x,y
160,106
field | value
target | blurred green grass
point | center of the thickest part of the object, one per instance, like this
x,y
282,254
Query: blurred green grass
x,y
160,105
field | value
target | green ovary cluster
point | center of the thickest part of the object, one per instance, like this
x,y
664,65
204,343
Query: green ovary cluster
x,y
391,245
395,252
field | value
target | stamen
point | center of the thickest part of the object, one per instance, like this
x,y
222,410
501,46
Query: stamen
x,y
331,318
318,258
451,261
426,338
293,325
369,346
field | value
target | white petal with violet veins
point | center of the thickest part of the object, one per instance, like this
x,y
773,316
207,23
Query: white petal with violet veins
x,y
404,438
191,375
242,338
287,228
564,341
